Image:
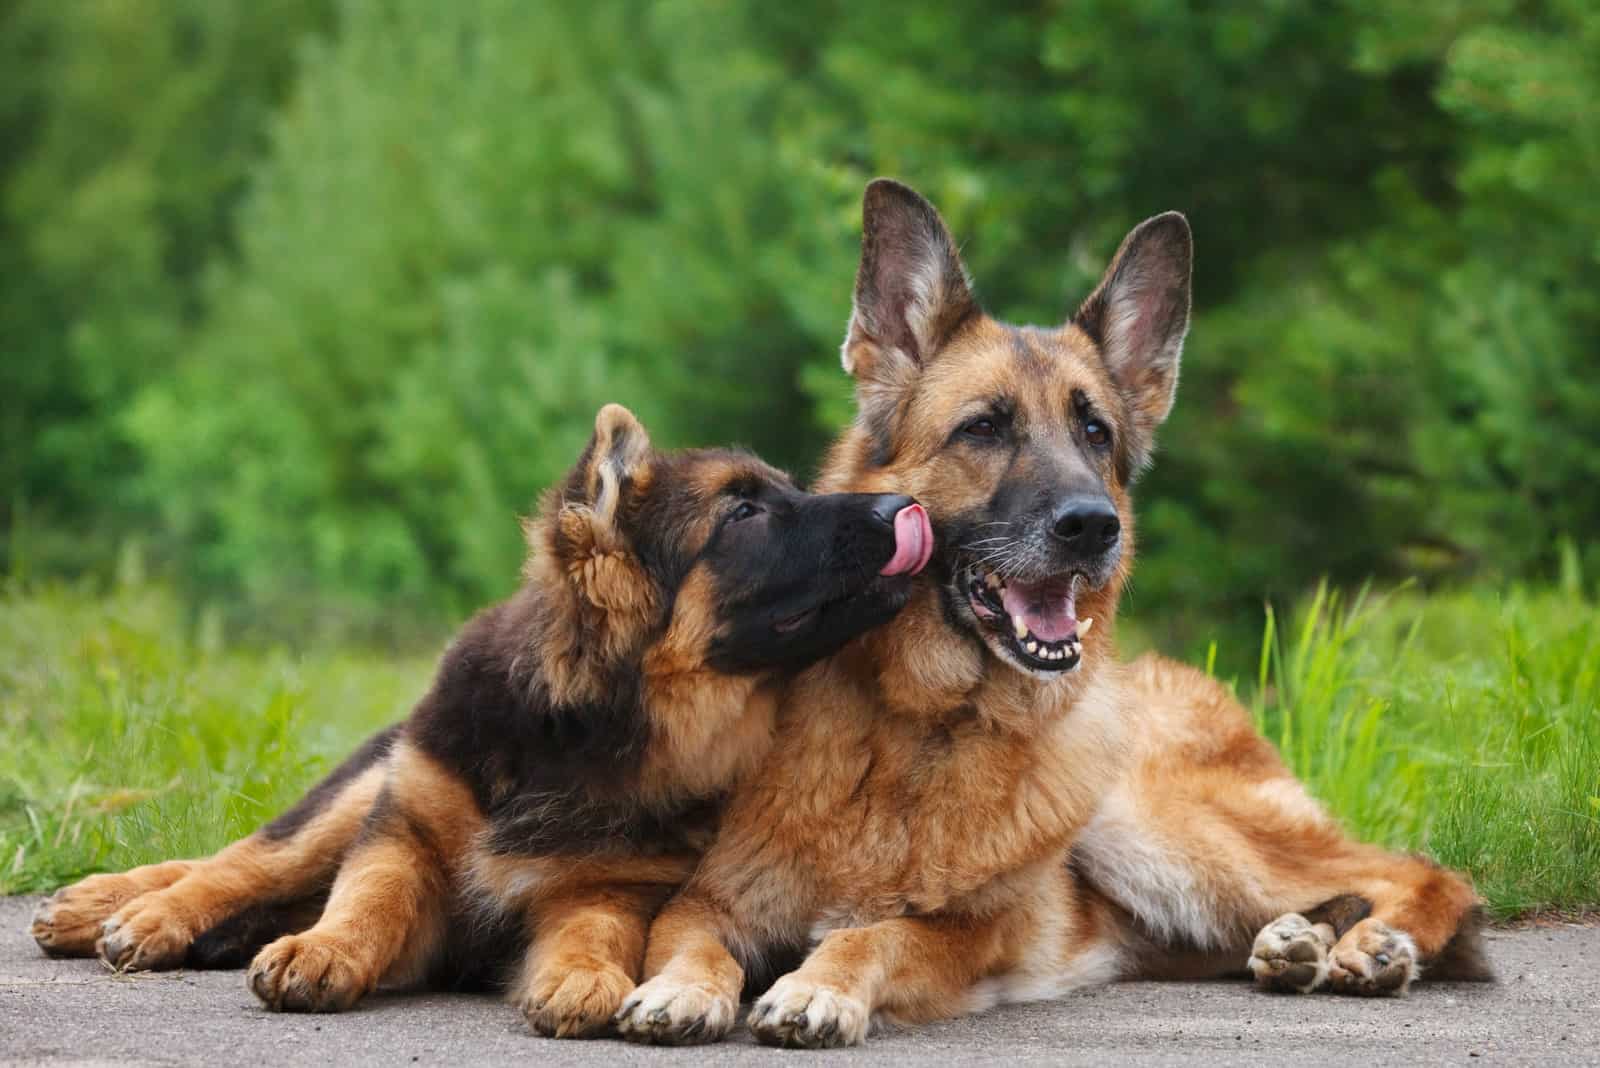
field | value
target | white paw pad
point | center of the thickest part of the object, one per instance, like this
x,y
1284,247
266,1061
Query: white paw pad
x,y
1290,955
1373,960
799,1013
669,1012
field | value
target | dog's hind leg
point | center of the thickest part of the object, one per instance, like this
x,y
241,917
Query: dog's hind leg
x,y
387,915
1211,846
286,863
1209,885
1392,915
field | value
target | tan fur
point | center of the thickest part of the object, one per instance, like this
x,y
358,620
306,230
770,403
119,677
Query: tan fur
x,y
601,602
912,776
386,915
709,728
68,924
587,948
922,800
1217,804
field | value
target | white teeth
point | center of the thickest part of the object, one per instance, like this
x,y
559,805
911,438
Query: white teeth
x,y
1083,626
1020,627
1032,647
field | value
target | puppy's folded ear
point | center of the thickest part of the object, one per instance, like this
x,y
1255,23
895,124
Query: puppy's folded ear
x,y
589,537
614,466
598,595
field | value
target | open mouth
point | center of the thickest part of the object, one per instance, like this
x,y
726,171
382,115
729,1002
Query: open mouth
x,y
1037,621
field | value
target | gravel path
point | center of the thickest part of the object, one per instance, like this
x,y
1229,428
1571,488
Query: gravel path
x,y
1545,1009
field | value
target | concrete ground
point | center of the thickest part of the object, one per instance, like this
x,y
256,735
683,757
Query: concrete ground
x,y
1545,1009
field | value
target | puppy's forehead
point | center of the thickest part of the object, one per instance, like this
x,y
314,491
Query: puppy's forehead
x,y
1035,370
709,473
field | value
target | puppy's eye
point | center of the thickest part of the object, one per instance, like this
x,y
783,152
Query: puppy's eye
x,y
982,429
1097,433
745,510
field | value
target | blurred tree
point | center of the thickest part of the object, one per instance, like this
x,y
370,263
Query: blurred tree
x,y
126,132
477,222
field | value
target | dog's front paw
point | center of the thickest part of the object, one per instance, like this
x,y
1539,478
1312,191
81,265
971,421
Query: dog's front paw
x,y
146,934
669,1012
574,1002
1290,955
1373,960
306,973
805,1015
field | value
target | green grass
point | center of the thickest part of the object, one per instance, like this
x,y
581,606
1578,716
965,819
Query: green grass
x,y
1465,724
130,732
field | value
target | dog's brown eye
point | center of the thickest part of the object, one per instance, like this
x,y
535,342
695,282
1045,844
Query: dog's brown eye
x,y
1097,433
745,510
981,428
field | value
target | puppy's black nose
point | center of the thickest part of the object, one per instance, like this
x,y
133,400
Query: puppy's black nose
x,y
885,506
1088,525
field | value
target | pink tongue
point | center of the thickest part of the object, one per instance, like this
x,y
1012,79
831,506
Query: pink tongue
x,y
1046,607
913,542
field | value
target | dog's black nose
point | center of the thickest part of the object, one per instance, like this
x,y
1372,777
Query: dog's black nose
x,y
886,506
1088,525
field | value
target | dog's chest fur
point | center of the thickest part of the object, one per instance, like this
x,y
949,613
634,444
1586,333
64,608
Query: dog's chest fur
x,y
936,795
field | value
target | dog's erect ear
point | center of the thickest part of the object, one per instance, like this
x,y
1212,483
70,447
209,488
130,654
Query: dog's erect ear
x,y
911,289
1139,315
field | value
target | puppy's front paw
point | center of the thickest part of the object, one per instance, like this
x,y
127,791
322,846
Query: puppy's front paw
x,y
669,1012
574,1002
1290,955
146,934
67,924
1373,960
306,973
805,1015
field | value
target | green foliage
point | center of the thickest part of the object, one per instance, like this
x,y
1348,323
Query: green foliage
x,y
464,243
127,129
323,316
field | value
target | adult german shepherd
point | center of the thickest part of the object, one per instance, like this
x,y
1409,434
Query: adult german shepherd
x,y
979,803
557,781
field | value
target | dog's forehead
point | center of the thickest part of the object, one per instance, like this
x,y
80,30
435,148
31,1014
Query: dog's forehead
x,y
1029,367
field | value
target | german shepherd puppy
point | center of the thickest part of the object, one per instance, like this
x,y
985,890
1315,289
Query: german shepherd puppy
x,y
561,775
979,803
